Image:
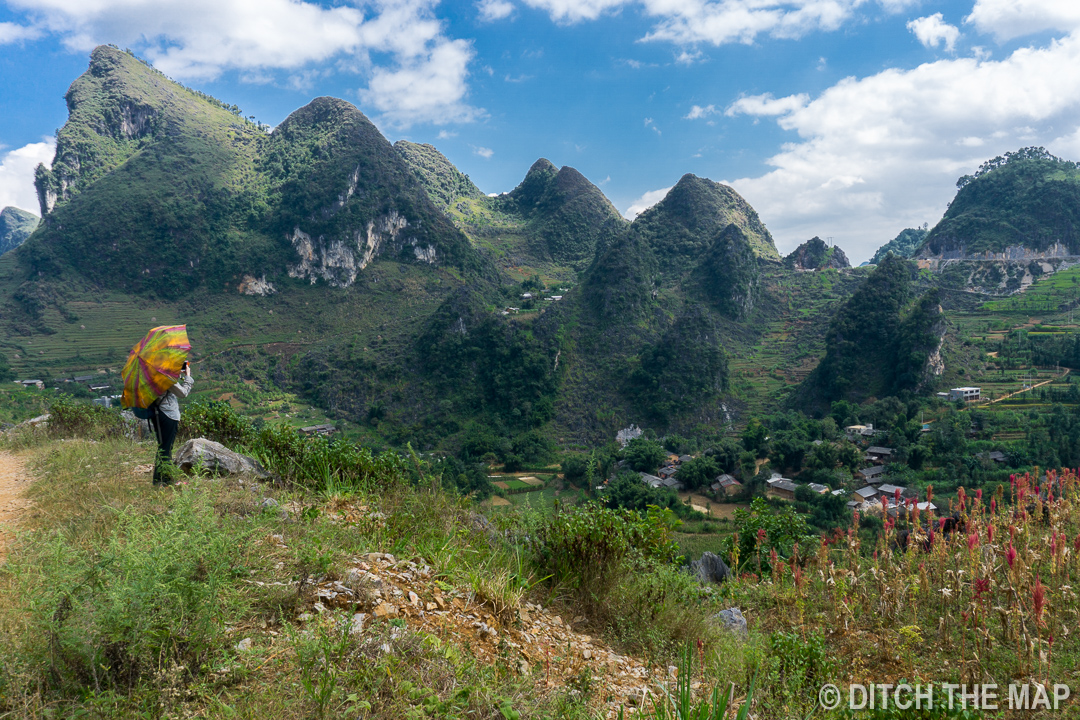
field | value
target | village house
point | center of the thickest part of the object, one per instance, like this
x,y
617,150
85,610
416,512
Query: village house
x,y
995,455
867,493
879,454
818,488
782,488
318,430
967,394
872,474
667,471
854,432
725,485
40,385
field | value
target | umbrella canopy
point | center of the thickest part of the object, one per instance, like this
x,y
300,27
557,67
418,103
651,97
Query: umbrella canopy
x,y
154,365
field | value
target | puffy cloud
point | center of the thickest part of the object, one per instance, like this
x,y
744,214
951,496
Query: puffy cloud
x,y
932,31
717,22
645,202
388,41
1008,19
766,105
17,174
491,10
697,112
13,32
484,152
428,88
877,154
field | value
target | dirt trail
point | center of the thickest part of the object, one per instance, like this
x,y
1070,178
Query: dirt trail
x,y
14,479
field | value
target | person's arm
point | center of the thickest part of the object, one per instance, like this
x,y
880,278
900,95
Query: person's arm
x,y
183,386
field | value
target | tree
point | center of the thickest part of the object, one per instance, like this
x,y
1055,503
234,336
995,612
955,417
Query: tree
x,y
644,455
697,472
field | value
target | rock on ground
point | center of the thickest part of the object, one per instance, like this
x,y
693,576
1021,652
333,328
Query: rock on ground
x,y
711,568
217,459
734,621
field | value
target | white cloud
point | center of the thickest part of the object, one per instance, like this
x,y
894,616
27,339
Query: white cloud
x,y
429,88
645,202
13,32
650,123
716,22
1008,19
697,112
932,31
492,10
880,153
767,105
446,135
390,42
484,152
17,174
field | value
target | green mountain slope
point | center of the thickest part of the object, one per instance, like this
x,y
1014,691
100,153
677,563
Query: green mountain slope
x,y
814,254
881,340
1027,198
905,244
15,226
158,189
691,214
444,183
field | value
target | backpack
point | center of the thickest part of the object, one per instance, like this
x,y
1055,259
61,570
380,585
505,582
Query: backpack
x,y
147,412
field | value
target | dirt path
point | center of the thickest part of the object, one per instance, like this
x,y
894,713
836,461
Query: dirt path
x,y
14,480
1018,392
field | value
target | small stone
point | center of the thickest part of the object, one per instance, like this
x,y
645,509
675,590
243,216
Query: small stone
x,y
525,616
385,648
304,617
523,667
430,606
385,610
268,503
357,626
414,599
587,654
244,645
440,602
556,621
319,608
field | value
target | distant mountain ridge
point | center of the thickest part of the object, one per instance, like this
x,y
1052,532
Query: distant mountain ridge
x,y
210,197
15,226
1025,204
814,254
905,244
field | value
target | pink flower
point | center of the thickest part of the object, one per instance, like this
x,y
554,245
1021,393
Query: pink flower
x,y
993,506
973,540
1038,600
761,535
978,494
990,533
1010,555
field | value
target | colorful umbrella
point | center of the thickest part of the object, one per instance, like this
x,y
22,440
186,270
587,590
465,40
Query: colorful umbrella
x,y
154,365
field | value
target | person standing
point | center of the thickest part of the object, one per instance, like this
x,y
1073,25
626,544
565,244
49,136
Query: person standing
x,y
165,419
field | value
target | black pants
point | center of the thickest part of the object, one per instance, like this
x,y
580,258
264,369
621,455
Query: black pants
x,y
165,431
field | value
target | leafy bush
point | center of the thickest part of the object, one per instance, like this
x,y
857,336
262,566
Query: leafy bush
x,y
215,420
586,545
156,596
77,419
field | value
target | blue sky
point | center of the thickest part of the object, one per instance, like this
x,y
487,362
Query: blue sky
x,y
848,119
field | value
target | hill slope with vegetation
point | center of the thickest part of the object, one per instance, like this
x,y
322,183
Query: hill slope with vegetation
x,y
905,244
15,226
1028,198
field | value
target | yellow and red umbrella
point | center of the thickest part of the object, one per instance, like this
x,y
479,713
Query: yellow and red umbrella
x,y
154,365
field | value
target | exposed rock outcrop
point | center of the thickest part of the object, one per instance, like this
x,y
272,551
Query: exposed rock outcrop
x,y
216,459
814,254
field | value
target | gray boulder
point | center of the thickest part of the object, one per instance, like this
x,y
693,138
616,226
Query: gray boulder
x,y
217,459
711,568
733,620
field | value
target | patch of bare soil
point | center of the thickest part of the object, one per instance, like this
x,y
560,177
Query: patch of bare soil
x,y
14,480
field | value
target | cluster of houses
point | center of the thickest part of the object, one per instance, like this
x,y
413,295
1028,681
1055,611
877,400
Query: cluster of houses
x,y
665,476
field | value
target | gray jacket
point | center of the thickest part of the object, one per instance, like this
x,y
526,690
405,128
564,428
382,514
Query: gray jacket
x,y
170,405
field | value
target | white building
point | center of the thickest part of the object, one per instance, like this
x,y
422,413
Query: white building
x,y
967,394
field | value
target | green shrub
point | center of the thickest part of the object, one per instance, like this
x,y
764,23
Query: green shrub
x,y
69,418
215,420
156,596
584,545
